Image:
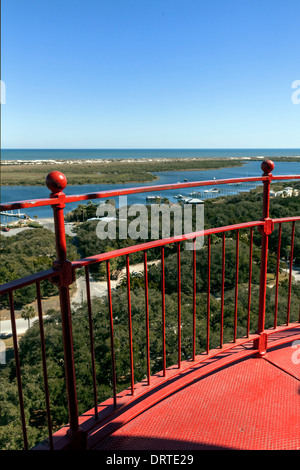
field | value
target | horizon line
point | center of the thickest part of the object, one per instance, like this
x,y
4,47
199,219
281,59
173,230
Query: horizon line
x,y
150,148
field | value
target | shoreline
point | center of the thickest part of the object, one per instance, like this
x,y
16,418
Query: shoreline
x,y
117,171
90,161
106,161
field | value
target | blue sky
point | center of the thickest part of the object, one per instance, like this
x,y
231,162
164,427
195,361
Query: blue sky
x,y
150,73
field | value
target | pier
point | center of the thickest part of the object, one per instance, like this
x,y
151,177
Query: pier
x,y
18,215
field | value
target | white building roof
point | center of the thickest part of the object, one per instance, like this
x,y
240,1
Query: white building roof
x,y
194,201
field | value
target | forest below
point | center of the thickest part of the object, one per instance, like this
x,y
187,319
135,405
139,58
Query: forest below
x,y
34,250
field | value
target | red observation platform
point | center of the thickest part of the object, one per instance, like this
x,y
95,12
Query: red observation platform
x,y
252,403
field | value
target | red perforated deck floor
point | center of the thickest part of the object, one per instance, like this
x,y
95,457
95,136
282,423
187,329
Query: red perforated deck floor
x,y
252,404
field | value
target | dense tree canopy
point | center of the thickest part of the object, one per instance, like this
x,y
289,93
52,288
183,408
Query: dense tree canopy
x,y
34,250
26,253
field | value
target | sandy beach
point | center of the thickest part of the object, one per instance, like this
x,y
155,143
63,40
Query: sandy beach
x,y
135,161
108,161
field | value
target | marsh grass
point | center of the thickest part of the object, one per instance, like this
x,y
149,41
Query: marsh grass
x,y
103,172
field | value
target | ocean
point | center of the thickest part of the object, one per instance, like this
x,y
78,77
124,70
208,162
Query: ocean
x,y
82,154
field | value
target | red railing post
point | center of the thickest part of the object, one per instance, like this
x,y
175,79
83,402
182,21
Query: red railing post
x,y
261,344
56,182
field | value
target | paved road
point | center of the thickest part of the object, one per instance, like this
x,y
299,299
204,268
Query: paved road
x,y
46,223
49,224
14,231
21,324
295,273
99,288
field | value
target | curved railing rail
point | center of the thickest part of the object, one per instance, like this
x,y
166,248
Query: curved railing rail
x,y
63,274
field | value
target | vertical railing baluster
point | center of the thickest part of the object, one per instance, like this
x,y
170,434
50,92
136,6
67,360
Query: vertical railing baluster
x,y
290,274
250,281
236,284
179,303
277,275
261,343
111,322
163,309
194,299
56,182
129,324
92,348
147,316
222,290
18,368
44,363
208,293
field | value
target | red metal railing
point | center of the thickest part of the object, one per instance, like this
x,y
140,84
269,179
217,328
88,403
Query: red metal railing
x,y
63,274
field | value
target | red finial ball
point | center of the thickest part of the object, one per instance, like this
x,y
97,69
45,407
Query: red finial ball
x,y
267,166
56,181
